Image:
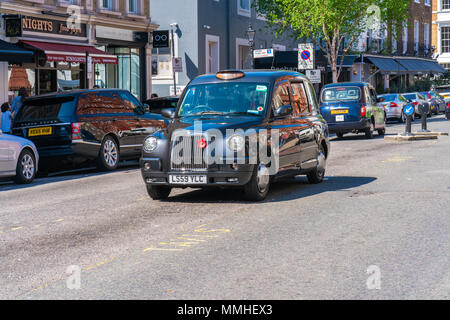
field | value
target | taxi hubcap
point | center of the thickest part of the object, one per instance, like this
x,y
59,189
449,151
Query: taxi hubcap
x,y
262,177
322,163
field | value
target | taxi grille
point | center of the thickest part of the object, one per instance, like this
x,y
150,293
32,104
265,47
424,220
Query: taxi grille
x,y
185,153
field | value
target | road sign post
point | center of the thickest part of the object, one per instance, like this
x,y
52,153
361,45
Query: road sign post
x,y
424,109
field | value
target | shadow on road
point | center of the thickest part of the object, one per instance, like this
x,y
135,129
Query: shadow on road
x,y
284,190
8,184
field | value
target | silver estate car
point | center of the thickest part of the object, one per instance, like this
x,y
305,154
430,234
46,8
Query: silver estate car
x,y
393,104
19,158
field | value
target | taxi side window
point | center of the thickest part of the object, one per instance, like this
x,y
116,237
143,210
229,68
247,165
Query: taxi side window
x,y
281,96
300,101
312,93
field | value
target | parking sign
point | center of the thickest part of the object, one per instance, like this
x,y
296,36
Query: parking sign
x,y
305,56
314,76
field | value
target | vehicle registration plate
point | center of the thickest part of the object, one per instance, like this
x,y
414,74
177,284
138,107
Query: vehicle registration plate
x,y
187,179
340,118
341,111
44,131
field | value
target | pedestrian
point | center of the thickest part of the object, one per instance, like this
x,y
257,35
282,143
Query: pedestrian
x,y
7,117
18,101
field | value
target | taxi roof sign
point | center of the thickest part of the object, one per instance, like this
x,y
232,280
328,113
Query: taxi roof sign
x,y
230,75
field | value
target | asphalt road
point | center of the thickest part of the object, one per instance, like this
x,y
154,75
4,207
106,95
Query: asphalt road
x,y
384,206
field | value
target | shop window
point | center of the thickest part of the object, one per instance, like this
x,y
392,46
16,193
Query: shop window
x,y
126,74
21,78
162,63
445,4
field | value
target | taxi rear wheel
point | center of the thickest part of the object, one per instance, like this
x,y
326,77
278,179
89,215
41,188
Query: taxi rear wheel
x,y
316,176
258,186
158,192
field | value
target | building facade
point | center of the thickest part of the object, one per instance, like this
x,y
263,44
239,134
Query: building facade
x,y
441,31
209,35
79,44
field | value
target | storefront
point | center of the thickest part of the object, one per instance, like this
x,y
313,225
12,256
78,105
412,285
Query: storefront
x,y
61,55
129,47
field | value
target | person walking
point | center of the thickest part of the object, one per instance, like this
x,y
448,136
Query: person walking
x,y
18,101
7,117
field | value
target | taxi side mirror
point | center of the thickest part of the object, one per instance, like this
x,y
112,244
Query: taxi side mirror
x,y
168,113
283,111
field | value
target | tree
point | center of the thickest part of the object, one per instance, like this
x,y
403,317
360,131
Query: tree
x,y
333,25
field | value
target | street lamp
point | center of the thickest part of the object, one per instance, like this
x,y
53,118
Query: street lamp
x,y
250,33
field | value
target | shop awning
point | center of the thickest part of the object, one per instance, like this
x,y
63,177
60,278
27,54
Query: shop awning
x,y
421,65
386,65
14,54
59,52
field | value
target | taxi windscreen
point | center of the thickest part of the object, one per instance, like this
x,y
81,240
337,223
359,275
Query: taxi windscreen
x,y
341,94
225,98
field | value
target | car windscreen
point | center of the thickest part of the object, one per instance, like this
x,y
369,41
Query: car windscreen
x,y
225,98
61,108
410,96
341,94
389,97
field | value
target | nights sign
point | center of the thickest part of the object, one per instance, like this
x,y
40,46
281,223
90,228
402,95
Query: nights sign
x,y
52,27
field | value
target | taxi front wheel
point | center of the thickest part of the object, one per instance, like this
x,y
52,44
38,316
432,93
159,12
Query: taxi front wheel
x,y
258,186
158,192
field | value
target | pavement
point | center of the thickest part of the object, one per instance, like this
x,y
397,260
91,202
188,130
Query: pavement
x,y
377,228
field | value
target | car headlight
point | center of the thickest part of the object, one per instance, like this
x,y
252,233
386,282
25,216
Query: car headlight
x,y
150,144
236,143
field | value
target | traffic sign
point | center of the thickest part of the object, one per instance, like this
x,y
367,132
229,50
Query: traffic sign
x,y
314,76
161,39
408,110
305,56
177,64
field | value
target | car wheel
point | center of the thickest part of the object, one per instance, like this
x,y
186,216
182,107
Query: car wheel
x,y
381,132
369,132
26,167
258,186
158,192
317,175
108,158
340,135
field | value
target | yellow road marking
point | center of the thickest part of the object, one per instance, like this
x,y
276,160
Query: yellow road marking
x,y
396,159
100,264
16,228
59,220
191,239
161,249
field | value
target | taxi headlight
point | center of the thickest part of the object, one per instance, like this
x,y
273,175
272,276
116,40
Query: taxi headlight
x,y
236,143
150,144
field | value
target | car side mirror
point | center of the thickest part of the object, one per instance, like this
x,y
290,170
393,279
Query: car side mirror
x,y
168,113
283,111
146,107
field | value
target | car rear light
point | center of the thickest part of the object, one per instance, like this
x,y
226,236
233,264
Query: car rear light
x,y
448,105
429,96
363,112
76,135
394,105
415,103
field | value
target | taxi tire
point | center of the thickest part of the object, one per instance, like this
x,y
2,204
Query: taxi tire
x,y
381,132
316,176
158,192
369,132
251,190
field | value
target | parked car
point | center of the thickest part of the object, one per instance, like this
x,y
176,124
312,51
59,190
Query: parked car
x,y
447,112
444,91
394,105
352,107
436,101
156,105
253,105
19,158
105,125
417,100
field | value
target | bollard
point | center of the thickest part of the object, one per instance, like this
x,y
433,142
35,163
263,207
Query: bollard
x,y
408,111
424,109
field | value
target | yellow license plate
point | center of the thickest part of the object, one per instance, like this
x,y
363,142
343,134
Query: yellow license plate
x,y
44,131
339,111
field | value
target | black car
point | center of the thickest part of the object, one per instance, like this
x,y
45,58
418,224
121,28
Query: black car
x,y
74,126
156,105
238,129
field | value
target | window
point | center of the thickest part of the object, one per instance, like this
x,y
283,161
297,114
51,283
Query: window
x,y
132,6
107,4
162,63
299,99
427,2
244,8
405,37
341,94
416,36
445,4
212,54
445,39
426,38
281,95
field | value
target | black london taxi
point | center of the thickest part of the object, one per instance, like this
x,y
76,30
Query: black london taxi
x,y
73,127
240,129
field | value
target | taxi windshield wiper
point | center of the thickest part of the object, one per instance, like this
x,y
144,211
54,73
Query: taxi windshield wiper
x,y
211,113
242,113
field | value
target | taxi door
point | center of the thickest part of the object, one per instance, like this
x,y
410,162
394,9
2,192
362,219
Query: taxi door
x,y
286,126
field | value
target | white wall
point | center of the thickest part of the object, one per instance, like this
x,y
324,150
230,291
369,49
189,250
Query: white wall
x,y
3,82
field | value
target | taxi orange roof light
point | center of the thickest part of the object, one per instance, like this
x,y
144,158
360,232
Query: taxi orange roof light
x,y
230,75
